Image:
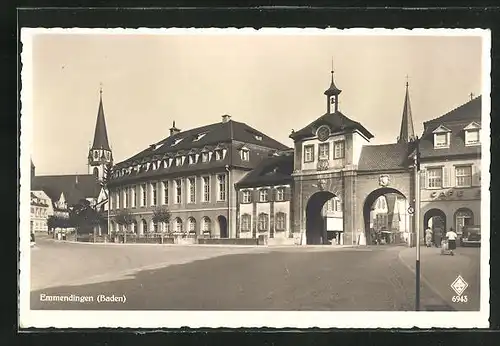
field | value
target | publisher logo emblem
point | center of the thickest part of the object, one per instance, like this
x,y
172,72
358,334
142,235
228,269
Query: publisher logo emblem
x,y
459,285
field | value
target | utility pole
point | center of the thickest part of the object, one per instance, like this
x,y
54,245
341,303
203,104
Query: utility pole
x,y
416,220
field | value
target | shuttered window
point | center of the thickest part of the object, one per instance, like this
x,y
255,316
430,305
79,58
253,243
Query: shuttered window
x,y
435,177
463,176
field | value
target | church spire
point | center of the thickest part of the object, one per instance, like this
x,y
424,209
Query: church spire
x,y
101,133
100,152
406,133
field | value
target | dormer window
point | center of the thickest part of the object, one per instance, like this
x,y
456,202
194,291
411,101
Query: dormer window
x,y
204,157
199,136
257,137
192,159
177,141
218,155
472,134
245,154
442,137
178,161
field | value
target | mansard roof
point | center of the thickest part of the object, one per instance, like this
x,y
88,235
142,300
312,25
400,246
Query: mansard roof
x,y
215,134
270,171
338,122
455,121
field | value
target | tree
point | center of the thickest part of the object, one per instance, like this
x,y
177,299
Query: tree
x,y
85,217
124,218
161,215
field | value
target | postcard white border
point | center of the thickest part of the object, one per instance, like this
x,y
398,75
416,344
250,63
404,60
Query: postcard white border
x,y
251,319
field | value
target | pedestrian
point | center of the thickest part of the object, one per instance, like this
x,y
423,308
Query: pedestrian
x,y
452,240
428,237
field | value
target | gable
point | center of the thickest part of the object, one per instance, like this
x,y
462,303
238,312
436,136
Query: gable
x,y
441,129
472,126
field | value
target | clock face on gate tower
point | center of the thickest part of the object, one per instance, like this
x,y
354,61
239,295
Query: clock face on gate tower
x,y
323,133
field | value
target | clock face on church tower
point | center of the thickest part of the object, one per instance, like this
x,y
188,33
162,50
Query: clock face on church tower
x,y
323,133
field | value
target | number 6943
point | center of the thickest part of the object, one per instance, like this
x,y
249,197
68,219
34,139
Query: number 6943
x,y
459,299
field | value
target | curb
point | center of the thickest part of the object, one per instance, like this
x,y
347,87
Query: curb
x,y
425,282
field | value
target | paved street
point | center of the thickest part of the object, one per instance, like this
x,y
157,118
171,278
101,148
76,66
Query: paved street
x,y
226,278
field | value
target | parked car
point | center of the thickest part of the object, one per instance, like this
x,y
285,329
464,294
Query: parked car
x,y
471,236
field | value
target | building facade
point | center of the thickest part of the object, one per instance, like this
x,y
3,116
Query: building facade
x,y
41,209
192,174
451,169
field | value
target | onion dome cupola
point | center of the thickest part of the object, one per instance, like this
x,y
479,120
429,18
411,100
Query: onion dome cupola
x,y
332,97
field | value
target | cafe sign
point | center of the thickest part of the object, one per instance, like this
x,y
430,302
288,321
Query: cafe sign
x,y
454,194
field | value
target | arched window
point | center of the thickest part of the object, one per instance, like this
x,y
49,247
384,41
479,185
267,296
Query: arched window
x,y
144,226
96,172
192,225
178,225
165,226
246,222
134,226
263,223
463,217
280,221
206,225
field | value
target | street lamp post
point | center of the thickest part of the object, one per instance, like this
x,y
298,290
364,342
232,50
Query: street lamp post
x,y
416,220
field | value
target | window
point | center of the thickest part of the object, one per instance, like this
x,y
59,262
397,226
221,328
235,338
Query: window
x,y
257,137
245,222
463,175
218,155
339,150
463,217
192,190
177,141
132,197
280,194
118,199
280,221
125,197
192,159
178,225
246,196
153,194
441,140
221,180
263,223
435,177
144,226
192,225
165,192
245,155
206,189
166,226
264,195
204,157
143,193
178,191
308,153
206,225
178,161
198,137
471,137
324,151
155,227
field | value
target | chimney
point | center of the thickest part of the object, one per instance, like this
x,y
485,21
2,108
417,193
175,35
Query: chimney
x,y
174,130
226,118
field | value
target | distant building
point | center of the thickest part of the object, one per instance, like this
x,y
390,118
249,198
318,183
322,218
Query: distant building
x,y
67,190
451,168
41,209
193,174
264,199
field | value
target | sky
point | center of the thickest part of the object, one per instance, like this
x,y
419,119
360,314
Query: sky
x,y
274,83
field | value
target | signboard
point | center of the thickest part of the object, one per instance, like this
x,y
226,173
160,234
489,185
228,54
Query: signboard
x,y
334,223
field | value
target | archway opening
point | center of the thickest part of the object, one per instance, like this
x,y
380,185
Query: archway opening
x,y
435,219
324,219
222,226
386,218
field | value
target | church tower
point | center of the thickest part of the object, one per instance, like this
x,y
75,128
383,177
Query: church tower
x,y
100,152
406,133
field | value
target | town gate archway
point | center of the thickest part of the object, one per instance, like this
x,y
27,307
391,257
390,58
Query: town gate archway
x,y
315,224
